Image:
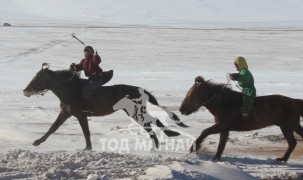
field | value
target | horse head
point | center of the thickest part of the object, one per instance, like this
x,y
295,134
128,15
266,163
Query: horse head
x,y
194,97
42,81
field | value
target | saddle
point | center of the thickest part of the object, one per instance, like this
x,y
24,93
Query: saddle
x,y
107,76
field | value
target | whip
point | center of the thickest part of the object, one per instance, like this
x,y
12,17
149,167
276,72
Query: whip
x,y
74,36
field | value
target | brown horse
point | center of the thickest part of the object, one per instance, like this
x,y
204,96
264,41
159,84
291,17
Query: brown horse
x,y
67,86
225,105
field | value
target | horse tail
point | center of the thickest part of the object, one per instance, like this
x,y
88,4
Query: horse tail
x,y
172,115
300,104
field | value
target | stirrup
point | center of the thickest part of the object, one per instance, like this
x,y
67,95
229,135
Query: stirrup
x,y
244,114
87,110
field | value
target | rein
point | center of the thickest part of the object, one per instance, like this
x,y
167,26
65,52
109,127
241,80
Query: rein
x,y
229,84
210,99
72,77
42,92
205,102
63,81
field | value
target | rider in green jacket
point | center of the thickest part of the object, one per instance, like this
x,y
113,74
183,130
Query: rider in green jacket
x,y
246,82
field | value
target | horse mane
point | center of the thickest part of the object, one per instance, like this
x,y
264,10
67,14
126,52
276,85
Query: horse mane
x,y
68,73
217,87
228,97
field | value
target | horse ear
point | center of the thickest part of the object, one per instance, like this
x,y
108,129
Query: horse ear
x,y
46,65
199,79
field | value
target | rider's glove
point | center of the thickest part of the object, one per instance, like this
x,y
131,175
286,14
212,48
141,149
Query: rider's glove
x,y
97,55
234,76
73,66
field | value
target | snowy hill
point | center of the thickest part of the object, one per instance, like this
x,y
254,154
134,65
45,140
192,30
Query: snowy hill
x,y
175,13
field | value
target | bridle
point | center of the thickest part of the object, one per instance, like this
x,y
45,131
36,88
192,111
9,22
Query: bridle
x,y
34,86
75,73
72,77
204,103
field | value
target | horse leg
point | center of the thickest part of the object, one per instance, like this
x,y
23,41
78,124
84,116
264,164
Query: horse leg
x,y
299,130
206,132
166,130
289,135
84,125
62,117
222,143
152,134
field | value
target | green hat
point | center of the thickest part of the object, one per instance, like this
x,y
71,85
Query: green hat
x,y
89,48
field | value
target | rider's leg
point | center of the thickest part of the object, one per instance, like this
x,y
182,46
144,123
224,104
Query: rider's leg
x,y
87,94
247,104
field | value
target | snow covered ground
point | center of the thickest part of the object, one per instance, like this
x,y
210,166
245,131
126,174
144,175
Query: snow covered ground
x,y
162,50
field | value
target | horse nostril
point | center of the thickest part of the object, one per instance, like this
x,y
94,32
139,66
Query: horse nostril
x,y
183,112
26,93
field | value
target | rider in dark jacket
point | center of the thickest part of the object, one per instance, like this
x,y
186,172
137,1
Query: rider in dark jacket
x,y
90,65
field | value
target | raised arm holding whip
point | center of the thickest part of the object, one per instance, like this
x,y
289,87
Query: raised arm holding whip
x,y
92,70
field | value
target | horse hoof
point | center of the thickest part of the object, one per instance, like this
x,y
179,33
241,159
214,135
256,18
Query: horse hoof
x,y
192,149
216,159
87,149
281,159
37,143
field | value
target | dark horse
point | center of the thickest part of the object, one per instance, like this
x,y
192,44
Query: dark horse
x,y
67,86
224,104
